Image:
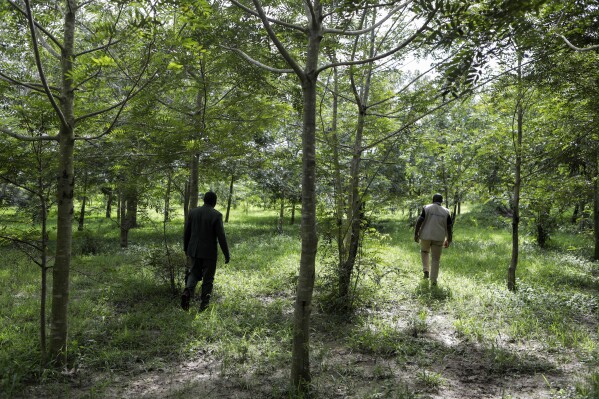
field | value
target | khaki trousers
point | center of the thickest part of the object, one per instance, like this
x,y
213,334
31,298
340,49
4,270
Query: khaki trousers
x,y
434,248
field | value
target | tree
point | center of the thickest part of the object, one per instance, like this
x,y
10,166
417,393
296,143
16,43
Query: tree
x,y
69,67
313,29
26,166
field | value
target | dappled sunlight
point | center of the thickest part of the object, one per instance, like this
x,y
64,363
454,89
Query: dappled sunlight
x,y
467,334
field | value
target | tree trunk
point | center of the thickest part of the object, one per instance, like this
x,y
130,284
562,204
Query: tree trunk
x,y
124,222
574,215
455,211
109,204
83,203
44,271
82,214
355,206
132,199
186,200
292,221
199,135
281,215
511,278
193,182
167,205
338,182
300,363
596,208
64,193
230,199
542,226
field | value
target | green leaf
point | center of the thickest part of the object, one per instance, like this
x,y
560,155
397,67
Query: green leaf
x,y
173,66
104,61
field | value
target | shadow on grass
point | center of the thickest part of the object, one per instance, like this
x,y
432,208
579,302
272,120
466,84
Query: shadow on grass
x,y
465,360
428,293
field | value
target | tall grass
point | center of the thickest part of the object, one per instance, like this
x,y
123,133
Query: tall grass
x,y
124,321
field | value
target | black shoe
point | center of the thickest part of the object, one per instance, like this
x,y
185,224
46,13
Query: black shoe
x,y
425,274
185,299
204,306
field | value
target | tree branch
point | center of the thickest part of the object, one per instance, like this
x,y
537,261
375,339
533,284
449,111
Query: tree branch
x,y
33,86
384,55
168,106
258,63
573,47
282,50
434,109
19,241
12,134
40,69
132,93
84,81
50,36
366,30
311,12
274,21
49,48
100,48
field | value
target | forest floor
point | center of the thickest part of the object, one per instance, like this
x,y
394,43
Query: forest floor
x,y
467,338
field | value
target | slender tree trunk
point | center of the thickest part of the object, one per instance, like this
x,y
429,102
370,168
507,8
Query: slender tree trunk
x,y
124,221
281,214
300,364
193,182
511,279
44,271
230,199
200,132
596,207
109,204
64,192
338,192
292,221
83,203
132,199
186,200
118,207
81,221
455,211
167,205
361,95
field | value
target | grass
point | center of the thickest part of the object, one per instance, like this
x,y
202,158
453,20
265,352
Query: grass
x,y
404,340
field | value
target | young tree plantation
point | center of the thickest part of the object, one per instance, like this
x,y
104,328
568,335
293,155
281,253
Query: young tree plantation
x,y
324,128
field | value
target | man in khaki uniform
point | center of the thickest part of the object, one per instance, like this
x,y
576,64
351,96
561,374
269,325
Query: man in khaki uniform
x,y
433,231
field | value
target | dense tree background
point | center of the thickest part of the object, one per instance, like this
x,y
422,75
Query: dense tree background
x,y
328,112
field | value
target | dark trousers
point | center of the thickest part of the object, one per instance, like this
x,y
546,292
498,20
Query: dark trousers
x,y
204,270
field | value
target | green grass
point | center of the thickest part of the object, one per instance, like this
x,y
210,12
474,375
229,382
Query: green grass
x,y
124,321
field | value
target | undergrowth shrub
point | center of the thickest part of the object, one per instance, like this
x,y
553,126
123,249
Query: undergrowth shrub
x,y
87,243
168,263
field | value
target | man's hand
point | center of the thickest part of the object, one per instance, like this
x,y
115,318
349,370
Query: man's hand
x,y
227,260
446,243
416,238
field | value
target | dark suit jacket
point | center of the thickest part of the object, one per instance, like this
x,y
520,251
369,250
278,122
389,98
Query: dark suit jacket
x,y
203,228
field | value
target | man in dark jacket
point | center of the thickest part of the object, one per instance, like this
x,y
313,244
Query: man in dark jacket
x,y
204,227
433,231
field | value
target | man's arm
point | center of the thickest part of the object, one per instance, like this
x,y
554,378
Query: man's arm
x,y
186,234
418,226
222,239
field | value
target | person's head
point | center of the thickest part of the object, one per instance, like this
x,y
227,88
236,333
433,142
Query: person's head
x,y
210,198
438,198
